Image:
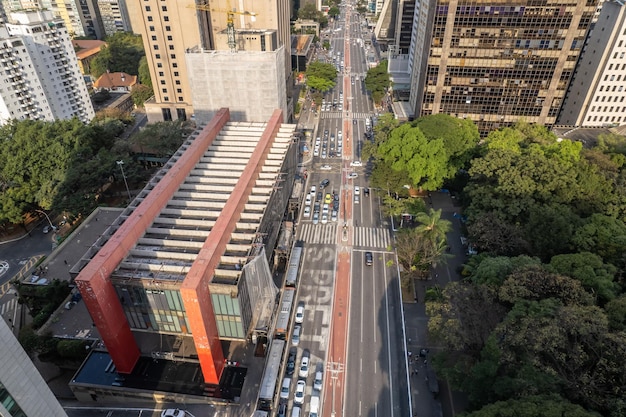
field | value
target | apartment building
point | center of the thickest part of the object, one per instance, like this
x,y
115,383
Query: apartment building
x,y
497,62
42,77
23,392
114,15
596,96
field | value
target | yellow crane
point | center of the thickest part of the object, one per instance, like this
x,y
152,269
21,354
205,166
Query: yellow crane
x,y
230,20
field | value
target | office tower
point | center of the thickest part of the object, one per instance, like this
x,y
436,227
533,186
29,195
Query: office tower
x,y
114,16
90,18
189,260
499,62
23,392
170,29
43,80
597,93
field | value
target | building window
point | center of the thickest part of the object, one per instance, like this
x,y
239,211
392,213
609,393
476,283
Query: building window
x,y
179,90
151,28
161,74
163,83
167,113
9,402
149,18
176,75
180,98
168,28
164,90
173,56
155,47
177,82
159,65
147,8
157,56
164,8
154,37
174,65
169,37
166,19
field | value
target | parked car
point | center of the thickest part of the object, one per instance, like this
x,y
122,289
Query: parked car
x,y
173,412
300,313
324,183
291,361
299,396
304,367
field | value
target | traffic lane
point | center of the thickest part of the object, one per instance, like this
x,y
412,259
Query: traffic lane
x,y
364,342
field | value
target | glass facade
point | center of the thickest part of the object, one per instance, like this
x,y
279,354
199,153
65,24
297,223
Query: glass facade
x,y
228,316
161,310
497,62
8,402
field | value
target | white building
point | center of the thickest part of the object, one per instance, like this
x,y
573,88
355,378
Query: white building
x,y
42,80
23,392
114,16
597,93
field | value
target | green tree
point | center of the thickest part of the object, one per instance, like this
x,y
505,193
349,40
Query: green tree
x,y
162,138
321,76
460,138
377,81
588,268
604,236
144,72
123,53
308,12
432,226
140,93
616,313
547,405
333,11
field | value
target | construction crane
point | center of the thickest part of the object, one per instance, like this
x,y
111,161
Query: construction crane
x,y
230,20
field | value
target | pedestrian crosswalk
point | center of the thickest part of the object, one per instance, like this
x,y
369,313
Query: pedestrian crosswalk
x,y
9,306
339,115
319,233
372,237
366,237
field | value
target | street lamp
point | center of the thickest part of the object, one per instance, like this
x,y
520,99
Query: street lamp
x,y
121,165
47,218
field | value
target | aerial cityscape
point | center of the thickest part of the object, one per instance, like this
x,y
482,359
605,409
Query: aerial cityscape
x,y
335,208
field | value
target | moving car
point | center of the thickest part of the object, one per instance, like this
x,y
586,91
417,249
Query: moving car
x,y
173,412
369,258
304,367
366,192
291,362
357,190
300,313
299,396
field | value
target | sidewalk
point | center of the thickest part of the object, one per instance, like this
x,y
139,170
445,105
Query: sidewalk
x,y
425,403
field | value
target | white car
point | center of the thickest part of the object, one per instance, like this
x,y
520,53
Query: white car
x,y
304,367
317,382
307,211
333,216
353,175
313,189
316,217
300,313
173,412
356,164
324,218
357,190
316,152
326,167
307,201
299,397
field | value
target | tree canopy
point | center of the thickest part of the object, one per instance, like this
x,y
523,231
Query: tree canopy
x,y
123,53
321,76
377,81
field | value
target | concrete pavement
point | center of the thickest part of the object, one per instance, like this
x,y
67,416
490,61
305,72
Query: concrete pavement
x,y
447,403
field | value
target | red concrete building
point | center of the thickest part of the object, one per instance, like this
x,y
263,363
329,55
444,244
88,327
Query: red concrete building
x,y
189,261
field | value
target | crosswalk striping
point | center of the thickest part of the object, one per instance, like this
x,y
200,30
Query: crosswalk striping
x,y
319,233
8,306
372,237
339,115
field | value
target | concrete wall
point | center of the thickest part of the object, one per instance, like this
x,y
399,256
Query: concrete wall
x,y
250,84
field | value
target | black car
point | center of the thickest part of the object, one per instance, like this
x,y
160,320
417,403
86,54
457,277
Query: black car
x,y
319,196
324,183
369,259
282,410
291,362
366,192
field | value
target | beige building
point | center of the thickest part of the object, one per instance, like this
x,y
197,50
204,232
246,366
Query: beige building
x,y
496,62
172,28
597,94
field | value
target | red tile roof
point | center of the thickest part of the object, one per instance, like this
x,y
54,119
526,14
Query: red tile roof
x,y
110,80
87,48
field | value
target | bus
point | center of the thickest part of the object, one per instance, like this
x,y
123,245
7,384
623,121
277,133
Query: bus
x,y
293,269
270,375
284,315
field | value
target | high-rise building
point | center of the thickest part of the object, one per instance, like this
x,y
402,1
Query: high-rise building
x,y
90,18
43,80
68,10
596,96
498,62
170,29
114,16
23,391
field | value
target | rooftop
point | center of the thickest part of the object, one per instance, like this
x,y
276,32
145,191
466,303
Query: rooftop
x,y
87,48
173,241
115,80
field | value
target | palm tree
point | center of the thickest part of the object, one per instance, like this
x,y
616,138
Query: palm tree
x,y
433,227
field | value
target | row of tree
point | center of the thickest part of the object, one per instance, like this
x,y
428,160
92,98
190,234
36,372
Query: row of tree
x,y
66,166
538,325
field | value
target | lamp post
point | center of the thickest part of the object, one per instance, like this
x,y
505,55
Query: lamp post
x,y
47,218
121,165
